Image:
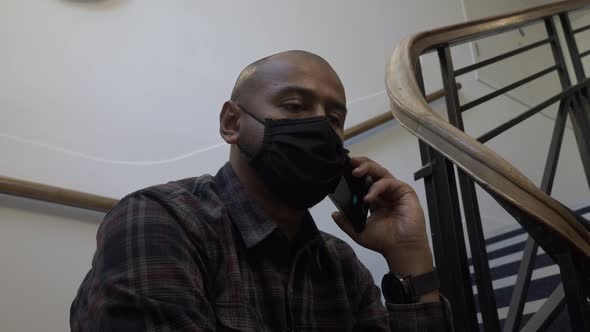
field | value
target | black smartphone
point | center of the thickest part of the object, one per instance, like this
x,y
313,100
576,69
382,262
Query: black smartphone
x,y
348,198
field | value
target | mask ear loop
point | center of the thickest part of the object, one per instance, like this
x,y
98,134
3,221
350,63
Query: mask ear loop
x,y
248,112
251,156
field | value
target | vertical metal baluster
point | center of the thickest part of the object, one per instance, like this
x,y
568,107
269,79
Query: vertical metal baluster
x,y
485,291
580,114
520,292
447,234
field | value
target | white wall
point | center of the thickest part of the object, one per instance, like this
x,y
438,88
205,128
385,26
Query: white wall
x,y
44,251
130,91
112,96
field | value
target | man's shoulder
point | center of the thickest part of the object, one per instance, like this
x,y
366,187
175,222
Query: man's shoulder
x,y
197,186
183,209
184,198
201,187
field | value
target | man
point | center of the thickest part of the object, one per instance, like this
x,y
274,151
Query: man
x,y
240,252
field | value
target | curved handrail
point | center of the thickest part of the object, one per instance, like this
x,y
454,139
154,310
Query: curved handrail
x,y
383,118
490,170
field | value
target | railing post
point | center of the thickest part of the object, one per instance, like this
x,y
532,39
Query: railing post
x,y
447,234
520,292
575,297
580,113
547,313
525,271
485,291
572,46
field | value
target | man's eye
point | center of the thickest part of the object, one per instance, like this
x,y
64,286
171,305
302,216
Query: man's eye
x,y
335,120
292,107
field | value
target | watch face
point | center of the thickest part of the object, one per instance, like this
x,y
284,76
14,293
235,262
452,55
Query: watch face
x,y
394,289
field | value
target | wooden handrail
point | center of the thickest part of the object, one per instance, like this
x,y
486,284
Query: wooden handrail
x,y
383,118
490,170
56,195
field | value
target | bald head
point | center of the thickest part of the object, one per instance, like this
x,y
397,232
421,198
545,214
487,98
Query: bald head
x,y
288,85
293,84
279,67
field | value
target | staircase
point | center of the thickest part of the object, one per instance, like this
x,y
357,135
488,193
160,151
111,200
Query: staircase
x,y
533,278
504,252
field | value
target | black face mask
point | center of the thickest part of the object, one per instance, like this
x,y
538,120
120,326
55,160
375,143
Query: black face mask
x,y
301,161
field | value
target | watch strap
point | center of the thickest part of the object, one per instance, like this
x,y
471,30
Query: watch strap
x,y
424,283
408,289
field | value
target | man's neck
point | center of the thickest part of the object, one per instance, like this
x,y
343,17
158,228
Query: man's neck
x,y
287,218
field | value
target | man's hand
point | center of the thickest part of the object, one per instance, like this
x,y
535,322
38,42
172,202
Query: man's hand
x,y
396,227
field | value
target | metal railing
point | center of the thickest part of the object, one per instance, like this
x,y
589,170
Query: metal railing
x,y
445,147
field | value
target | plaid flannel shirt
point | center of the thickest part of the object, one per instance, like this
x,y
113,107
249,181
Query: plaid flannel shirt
x,y
199,255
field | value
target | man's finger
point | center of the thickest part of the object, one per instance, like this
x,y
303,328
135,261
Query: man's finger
x,y
374,170
392,186
378,188
359,160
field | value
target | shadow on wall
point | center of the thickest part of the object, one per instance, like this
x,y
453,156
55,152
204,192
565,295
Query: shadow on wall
x,y
95,4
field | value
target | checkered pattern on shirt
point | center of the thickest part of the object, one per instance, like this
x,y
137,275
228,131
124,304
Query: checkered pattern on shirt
x,y
199,255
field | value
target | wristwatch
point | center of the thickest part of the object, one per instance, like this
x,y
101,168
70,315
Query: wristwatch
x,y
408,289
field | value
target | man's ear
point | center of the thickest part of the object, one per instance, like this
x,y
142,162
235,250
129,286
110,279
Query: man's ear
x,y
229,122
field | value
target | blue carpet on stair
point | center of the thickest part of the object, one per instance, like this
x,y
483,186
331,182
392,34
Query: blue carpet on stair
x,y
505,252
505,262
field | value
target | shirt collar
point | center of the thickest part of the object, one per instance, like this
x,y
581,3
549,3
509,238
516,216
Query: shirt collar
x,y
251,222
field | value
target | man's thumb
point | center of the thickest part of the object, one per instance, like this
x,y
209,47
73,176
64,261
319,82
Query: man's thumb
x,y
344,225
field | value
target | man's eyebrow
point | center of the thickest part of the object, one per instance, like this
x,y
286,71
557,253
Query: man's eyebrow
x,y
309,93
